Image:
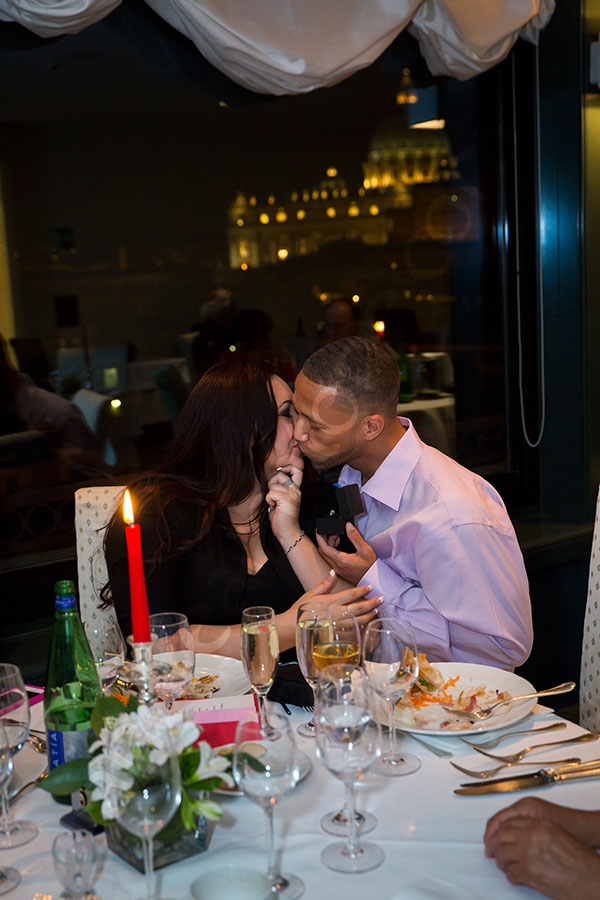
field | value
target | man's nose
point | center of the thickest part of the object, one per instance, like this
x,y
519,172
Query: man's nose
x,y
299,430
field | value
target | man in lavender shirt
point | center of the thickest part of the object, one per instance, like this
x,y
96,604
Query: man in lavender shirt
x,y
436,541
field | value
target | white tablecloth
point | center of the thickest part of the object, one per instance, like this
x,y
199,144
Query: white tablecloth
x,y
432,838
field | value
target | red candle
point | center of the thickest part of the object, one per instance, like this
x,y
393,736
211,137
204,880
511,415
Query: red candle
x,y
140,617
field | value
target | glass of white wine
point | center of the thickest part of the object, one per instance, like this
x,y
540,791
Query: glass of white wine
x,y
260,656
340,644
313,625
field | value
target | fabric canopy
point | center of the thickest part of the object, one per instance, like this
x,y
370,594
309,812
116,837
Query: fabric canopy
x,y
295,46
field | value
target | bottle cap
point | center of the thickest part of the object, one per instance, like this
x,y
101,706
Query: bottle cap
x,y
64,593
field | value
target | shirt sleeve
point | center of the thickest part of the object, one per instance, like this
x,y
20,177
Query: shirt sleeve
x,y
469,601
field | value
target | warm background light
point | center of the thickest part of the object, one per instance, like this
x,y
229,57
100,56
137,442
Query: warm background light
x,y
379,326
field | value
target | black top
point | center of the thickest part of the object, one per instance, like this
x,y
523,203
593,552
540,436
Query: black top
x,y
209,584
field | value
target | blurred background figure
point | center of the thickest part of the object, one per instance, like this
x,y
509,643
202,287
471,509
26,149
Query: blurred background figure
x,y
25,406
341,319
215,335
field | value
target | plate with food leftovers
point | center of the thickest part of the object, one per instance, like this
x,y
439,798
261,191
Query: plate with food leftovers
x,y
465,686
214,675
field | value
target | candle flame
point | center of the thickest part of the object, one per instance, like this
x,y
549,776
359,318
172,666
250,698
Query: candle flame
x,y
127,509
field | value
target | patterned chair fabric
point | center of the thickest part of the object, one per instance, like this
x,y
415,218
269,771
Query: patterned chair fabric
x,y
589,687
93,508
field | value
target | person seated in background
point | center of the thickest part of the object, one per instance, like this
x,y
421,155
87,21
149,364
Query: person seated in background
x,y
217,530
341,319
36,408
550,848
436,541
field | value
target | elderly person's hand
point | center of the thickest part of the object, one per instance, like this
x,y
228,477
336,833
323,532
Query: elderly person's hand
x,y
547,847
351,566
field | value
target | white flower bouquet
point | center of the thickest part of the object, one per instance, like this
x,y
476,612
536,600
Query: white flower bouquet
x,y
115,761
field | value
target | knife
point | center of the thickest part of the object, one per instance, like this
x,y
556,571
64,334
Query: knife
x,y
540,778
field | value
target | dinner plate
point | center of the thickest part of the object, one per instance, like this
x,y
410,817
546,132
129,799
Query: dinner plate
x,y
472,674
232,680
304,764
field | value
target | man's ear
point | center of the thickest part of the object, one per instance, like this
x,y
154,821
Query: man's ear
x,y
373,426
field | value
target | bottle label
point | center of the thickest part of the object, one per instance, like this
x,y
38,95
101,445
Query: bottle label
x,y
66,745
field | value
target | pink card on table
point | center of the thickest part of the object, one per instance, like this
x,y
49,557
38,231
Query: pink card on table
x,y
219,718
34,693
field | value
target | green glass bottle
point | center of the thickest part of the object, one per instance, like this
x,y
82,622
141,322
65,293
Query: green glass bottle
x,y
72,683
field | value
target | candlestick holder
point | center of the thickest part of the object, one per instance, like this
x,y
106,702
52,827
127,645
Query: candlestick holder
x,y
144,672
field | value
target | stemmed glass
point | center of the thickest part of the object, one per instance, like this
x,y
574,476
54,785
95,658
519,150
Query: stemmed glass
x,y
108,649
151,800
14,715
348,747
172,642
9,877
260,655
74,855
391,662
313,626
265,768
341,644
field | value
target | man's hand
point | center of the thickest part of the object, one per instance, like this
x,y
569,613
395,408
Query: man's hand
x,y
350,566
544,856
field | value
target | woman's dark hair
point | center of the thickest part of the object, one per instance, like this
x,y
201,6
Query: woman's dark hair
x,y
223,436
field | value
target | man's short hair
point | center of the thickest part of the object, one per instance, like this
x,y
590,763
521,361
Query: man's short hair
x,y
362,368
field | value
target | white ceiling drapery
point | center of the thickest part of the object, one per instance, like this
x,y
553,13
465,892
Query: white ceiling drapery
x,y
295,46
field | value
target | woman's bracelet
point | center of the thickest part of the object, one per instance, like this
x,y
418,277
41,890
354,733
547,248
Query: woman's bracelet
x,y
297,541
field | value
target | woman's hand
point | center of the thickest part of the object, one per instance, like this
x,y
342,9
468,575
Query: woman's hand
x,y
344,603
283,499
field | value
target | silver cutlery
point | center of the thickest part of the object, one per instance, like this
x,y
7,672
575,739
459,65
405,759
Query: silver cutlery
x,y
515,757
38,744
489,773
477,715
493,742
445,754
541,778
29,786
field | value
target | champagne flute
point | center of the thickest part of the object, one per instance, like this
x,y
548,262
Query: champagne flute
x,y
9,877
108,649
391,662
348,747
172,642
260,655
14,715
265,768
341,644
313,626
151,800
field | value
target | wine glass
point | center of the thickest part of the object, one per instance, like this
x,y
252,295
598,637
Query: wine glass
x,y
108,649
260,655
348,747
172,642
14,715
9,877
313,626
265,768
150,802
391,662
341,645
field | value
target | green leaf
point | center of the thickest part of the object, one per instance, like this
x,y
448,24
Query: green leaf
x,y
204,784
208,808
68,777
94,808
110,706
187,812
189,761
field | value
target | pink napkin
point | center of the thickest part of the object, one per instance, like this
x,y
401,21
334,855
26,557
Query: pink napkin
x,y
218,723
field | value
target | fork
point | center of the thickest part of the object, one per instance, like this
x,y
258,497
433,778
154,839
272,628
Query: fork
x,y
493,742
489,773
445,754
478,714
515,757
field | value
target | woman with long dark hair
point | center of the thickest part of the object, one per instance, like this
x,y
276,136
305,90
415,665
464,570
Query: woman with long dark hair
x,y
218,531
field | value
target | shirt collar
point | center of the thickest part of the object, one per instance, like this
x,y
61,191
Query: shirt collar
x,y
387,483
